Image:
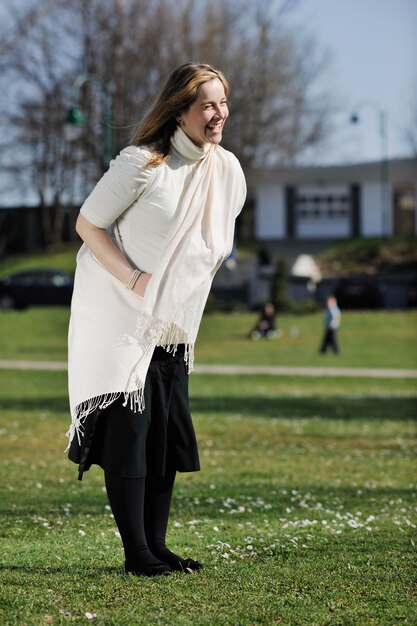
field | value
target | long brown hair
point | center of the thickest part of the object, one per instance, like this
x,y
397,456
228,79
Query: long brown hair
x,y
176,96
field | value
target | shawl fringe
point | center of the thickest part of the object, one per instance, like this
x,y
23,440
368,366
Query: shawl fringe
x,y
134,398
150,333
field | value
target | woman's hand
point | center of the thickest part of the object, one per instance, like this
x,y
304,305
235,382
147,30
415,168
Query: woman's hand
x,y
109,255
142,282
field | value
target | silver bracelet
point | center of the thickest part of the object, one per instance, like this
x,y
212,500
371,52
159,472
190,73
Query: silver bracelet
x,y
133,279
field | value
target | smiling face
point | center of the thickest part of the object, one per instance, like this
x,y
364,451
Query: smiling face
x,y
203,121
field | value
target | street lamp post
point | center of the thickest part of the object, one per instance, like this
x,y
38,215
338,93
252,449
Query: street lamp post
x,y
384,169
76,116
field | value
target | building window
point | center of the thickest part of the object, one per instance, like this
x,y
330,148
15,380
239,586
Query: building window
x,y
323,211
324,206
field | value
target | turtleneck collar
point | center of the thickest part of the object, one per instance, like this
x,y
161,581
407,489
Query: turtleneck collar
x,y
186,149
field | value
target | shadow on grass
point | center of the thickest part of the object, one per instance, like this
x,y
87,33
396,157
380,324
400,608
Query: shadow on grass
x,y
306,407
58,404
309,407
46,570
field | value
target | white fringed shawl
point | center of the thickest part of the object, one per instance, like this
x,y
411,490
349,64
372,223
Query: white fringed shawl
x,y
113,332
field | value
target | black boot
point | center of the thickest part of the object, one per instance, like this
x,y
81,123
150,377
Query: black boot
x,y
126,497
158,495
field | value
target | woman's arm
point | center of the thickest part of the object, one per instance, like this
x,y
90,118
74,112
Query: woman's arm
x,y
108,254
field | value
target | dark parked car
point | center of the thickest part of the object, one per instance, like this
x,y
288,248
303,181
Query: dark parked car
x,y
35,287
358,292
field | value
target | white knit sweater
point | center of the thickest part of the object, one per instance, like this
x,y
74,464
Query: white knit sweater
x,y
144,200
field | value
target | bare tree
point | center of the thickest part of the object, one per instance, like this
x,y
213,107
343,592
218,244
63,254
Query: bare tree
x,y
33,154
128,47
20,23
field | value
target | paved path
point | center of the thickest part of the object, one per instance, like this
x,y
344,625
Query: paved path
x,y
361,372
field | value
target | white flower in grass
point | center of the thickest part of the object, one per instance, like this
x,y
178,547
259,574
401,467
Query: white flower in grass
x,y
216,528
353,523
177,524
249,547
82,533
90,615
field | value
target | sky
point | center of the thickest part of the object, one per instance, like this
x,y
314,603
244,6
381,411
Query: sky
x,y
373,49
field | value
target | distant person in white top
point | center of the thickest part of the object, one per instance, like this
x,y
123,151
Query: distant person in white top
x,y
332,324
156,228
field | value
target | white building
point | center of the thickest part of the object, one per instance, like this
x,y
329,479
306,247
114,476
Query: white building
x,y
361,200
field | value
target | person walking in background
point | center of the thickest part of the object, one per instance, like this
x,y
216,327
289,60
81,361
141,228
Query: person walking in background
x,y
156,228
332,324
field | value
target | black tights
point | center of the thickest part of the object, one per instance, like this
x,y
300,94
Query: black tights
x,y
141,510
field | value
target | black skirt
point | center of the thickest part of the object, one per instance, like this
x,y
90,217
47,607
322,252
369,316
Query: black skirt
x,y
157,441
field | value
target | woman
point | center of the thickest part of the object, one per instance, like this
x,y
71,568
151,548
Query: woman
x,y
155,228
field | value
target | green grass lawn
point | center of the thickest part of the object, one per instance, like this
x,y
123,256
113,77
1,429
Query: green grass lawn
x,y
62,257
383,339
368,339
378,339
304,512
